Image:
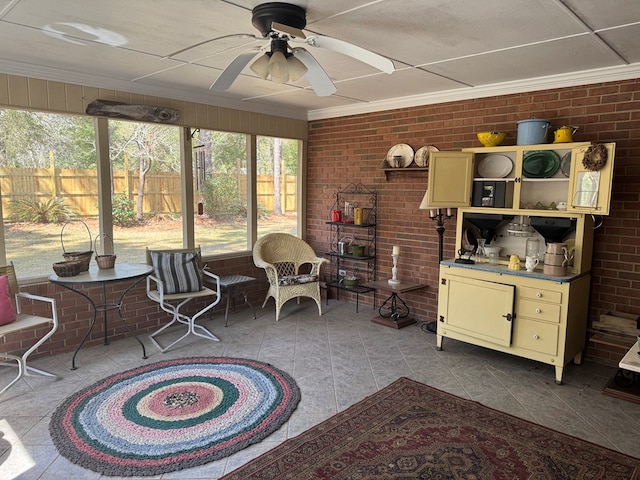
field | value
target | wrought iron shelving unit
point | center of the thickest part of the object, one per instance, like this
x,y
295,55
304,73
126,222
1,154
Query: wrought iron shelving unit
x,y
354,195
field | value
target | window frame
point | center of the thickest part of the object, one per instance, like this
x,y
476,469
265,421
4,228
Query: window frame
x,y
103,167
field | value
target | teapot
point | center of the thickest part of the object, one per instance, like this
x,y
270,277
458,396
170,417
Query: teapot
x,y
565,134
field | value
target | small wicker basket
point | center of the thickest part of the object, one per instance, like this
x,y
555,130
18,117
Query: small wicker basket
x,y
83,257
104,261
68,268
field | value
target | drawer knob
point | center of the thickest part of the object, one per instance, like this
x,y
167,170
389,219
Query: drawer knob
x,y
536,337
538,310
539,295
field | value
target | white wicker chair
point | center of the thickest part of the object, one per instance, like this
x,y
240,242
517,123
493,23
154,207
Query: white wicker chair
x,y
27,322
281,255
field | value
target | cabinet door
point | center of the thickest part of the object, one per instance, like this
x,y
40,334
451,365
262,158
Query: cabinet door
x,y
590,191
477,308
450,179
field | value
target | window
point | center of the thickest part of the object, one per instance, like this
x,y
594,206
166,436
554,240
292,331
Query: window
x,y
51,176
47,176
146,188
221,191
277,185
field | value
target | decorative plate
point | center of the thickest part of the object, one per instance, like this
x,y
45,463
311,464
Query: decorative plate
x,y
495,166
404,154
540,164
424,154
565,164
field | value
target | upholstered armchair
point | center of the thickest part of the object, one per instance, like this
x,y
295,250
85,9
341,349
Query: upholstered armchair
x,y
281,255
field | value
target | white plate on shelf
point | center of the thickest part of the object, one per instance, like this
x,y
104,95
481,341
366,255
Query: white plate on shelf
x,y
565,164
400,150
424,154
495,166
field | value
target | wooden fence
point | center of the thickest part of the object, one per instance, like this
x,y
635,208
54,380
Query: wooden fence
x,y
79,188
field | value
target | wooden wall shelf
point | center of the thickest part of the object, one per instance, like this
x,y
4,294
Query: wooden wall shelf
x,y
405,170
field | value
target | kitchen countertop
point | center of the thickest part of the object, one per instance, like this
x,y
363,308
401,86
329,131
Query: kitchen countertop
x,y
504,270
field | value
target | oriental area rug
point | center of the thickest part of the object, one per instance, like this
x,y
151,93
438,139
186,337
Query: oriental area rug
x,y
411,431
172,415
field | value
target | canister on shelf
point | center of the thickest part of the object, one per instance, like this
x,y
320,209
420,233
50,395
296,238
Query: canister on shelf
x,y
358,216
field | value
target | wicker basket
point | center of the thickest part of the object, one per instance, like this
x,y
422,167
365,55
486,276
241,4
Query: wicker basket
x,y
104,261
68,268
83,257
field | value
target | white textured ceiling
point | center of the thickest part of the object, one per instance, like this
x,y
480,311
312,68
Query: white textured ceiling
x,y
442,50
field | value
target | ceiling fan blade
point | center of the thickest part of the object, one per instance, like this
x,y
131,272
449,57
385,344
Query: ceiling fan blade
x,y
377,61
293,32
199,44
231,72
316,76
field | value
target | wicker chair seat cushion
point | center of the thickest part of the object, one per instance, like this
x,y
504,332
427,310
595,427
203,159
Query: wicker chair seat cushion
x,y
178,272
297,279
7,310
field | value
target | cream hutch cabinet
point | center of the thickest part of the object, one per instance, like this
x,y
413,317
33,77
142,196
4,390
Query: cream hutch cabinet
x,y
547,189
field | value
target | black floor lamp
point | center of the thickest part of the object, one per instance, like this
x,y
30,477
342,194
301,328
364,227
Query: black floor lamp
x,y
438,215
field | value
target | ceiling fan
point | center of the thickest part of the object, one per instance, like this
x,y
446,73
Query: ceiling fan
x,y
282,23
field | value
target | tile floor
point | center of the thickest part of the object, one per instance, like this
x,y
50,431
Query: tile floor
x,y
336,359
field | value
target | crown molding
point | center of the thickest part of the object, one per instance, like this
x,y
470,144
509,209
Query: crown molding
x,y
609,74
601,75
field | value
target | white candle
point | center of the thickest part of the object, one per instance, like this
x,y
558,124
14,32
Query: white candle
x,y
448,212
396,250
432,213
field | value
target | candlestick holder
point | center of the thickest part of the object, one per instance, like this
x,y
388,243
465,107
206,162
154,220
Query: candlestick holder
x,y
438,216
394,271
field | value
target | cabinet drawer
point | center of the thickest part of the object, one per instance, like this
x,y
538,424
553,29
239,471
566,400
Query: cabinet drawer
x,y
537,310
539,294
537,336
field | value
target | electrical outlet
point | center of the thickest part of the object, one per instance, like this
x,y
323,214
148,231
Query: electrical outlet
x,y
342,273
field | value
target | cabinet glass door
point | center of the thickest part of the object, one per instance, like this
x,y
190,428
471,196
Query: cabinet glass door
x,y
590,190
545,178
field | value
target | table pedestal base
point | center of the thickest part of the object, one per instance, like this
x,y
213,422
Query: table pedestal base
x,y
388,322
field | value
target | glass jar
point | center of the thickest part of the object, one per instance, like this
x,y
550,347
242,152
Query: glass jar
x,y
481,254
532,248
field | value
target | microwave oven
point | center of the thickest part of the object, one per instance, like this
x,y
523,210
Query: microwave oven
x,y
497,194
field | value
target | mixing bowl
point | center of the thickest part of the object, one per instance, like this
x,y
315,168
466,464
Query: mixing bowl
x,y
491,139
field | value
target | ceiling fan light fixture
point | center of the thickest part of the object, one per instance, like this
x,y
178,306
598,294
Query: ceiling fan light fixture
x,y
281,23
296,68
261,66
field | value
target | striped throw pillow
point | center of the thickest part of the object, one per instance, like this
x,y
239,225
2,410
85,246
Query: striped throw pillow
x,y
177,271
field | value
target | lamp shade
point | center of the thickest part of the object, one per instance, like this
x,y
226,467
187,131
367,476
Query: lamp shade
x,y
261,66
296,68
424,205
278,68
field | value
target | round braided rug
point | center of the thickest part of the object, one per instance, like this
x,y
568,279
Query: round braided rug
x,y
172,415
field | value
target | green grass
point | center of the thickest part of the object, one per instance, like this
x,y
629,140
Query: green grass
x,y
34,247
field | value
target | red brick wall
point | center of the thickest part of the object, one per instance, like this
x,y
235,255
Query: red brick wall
x,y
351,149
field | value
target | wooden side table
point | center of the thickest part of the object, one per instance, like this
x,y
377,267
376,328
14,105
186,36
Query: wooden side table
x,y
394,312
